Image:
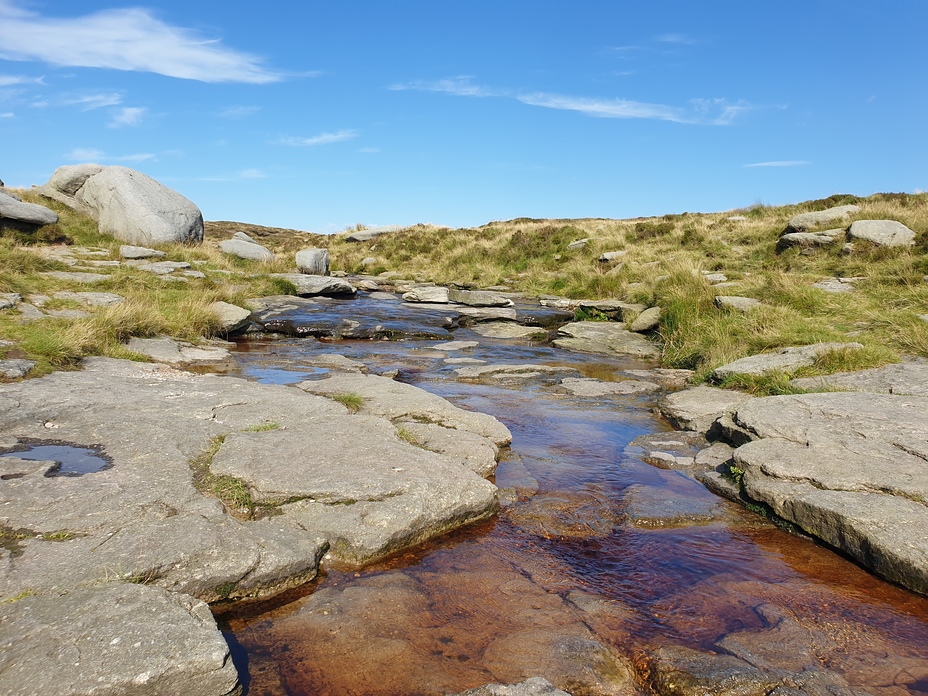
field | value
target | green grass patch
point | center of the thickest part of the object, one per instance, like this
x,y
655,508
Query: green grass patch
x,y
353,402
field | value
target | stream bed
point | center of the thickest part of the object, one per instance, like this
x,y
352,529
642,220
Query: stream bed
x,y
596,560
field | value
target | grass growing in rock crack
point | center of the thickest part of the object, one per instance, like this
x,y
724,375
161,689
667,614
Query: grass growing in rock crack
x,y
353,402
407,435
232,492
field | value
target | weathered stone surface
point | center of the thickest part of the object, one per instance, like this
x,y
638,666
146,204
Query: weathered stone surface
x,y
163,267
471,451
889,233
741,304
536,686
804,222
848,470
783,360
478,298
610,256
585,386
614,308
361,487
246,250
309,285
91,299
698,408
232,318
679,671
716,278
430,294
9,299
313,261
77,276
526,371
505,329
578,244
902,378
807,240
403,402
371,232
609,338
127,204
648,320
669,450
113,639
11,208
16,368
167,350
650,506
128,251
834,285
455,345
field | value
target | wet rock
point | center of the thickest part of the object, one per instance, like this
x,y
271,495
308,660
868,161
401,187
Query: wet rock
x,y
584,386
536,686
888,233
400,402
167,350
311,285
670,450
648,320
471,451
741,304
699,407
573,515
14,210
783,360
113,639
246,249
667,377
313,261
136,252
650,506
679,671
604,337
805,222
428,294
524,371
848,470
16,368
231,317
502,329
901,378
127,204
455,345
478,298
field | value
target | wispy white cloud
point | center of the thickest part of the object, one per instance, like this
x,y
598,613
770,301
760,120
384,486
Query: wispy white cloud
x,y
605,108
10,80
239,111
779,163
81,154
369,150
88,102
128,116
124,39
462,86
252,174
7,114
674,38
321,139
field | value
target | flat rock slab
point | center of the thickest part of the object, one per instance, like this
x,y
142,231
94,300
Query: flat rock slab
x,y
127,251
889,233
585,386
650,506
525,371
479,298
311,285
455,345
245,249
783,360
536,686
902,378
91,299
113,639
167,350
400,402
505,329
848,469
683,671
76,276
834,285
11,208
741,304
609,338
699,407
676,449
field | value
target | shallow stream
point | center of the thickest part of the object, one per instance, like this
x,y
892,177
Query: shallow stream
x,y
580,555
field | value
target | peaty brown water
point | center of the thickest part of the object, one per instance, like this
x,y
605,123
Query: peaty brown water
x,y
582,574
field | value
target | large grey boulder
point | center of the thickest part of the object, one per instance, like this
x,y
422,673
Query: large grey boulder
x,y
313,261
888,233
246,249
609,338
312,285
805,222
12,209
111,640
783,360
127,204
847,468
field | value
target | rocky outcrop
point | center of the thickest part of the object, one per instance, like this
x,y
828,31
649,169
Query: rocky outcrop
x,y
14,210
609,338
113,639
699,407
807,240
783,360
127,204
370,233
806,222
313,261
903,378
888,233
244,247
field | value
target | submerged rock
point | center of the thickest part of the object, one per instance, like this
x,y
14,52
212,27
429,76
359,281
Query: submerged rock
x,y
536,686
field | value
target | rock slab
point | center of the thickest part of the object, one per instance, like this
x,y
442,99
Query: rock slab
x,y
609,338
785,359
889,233
11,208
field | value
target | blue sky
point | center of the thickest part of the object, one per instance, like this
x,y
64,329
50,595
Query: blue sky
x,y
317,116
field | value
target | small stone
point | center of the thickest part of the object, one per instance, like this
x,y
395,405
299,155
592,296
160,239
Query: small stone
x,y
432,295
136,252
9,299
163,267
834,285
578,244
16,368
716,278
741,304
232,318
610,256
648,320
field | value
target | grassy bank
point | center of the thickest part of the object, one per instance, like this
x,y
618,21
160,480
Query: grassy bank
x,y
664,264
